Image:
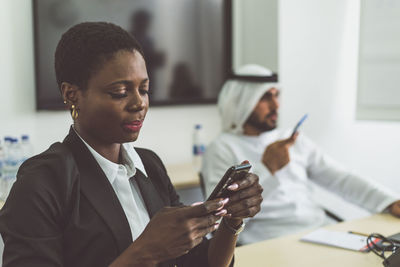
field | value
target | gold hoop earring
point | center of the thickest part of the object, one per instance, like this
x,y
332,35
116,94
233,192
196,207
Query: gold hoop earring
x,y
74,112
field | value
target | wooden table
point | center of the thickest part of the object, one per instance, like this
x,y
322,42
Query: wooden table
x,y
288,251
183,175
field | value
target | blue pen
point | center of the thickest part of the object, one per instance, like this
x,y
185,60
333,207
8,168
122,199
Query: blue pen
x,y
298,124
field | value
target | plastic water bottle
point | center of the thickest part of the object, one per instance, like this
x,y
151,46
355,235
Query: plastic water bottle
x,y
26,147
4,169
198,147
12,162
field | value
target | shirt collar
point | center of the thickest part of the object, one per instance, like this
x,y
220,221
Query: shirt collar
x,y
134,157
130,158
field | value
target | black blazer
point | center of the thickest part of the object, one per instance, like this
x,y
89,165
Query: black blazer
x,y
62,210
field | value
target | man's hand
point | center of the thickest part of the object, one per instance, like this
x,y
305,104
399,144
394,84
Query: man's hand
x,y
172,232
245,200
276,155
394,208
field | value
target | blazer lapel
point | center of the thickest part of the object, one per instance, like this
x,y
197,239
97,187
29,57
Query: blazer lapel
x,y
98,190
149,193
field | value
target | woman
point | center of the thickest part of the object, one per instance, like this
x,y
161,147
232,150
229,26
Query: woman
x,y
94,200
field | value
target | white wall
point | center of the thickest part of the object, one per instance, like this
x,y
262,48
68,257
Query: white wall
x,y
167,130
318,69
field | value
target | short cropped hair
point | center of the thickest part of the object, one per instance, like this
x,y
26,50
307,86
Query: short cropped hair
x,y
85,47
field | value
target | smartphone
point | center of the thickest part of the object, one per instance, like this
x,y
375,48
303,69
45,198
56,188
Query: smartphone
x,y
233,174
299,124
395,238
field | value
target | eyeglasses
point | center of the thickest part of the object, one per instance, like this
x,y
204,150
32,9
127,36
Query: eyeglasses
x,y
381,245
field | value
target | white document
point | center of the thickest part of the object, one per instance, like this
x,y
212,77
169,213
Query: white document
x,y
337,239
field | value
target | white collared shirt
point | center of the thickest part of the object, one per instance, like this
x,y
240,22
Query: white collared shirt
x,y
119,177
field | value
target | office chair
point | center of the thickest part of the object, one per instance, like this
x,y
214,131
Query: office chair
x,y
333,216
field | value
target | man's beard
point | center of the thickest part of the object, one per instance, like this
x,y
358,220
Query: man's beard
x,y
260,125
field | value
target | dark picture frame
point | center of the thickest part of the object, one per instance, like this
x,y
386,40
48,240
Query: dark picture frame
x,y
53,101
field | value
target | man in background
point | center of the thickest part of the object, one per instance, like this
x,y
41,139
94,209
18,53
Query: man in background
x,y
285,163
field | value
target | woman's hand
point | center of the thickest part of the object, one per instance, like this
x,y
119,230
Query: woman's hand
x,y
245,200
172,232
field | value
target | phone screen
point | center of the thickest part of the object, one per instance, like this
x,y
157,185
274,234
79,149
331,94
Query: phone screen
x,y
299,123
233,174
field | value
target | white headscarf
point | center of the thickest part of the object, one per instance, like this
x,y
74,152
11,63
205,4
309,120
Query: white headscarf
x,y
238,98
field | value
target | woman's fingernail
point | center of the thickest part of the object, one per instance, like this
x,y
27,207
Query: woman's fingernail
x,y
233,186
197,203
223,202
222,212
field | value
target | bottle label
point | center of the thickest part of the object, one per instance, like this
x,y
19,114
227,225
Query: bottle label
x,y
199,149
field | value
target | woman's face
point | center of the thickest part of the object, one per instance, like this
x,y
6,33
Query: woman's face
x,y
115,103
